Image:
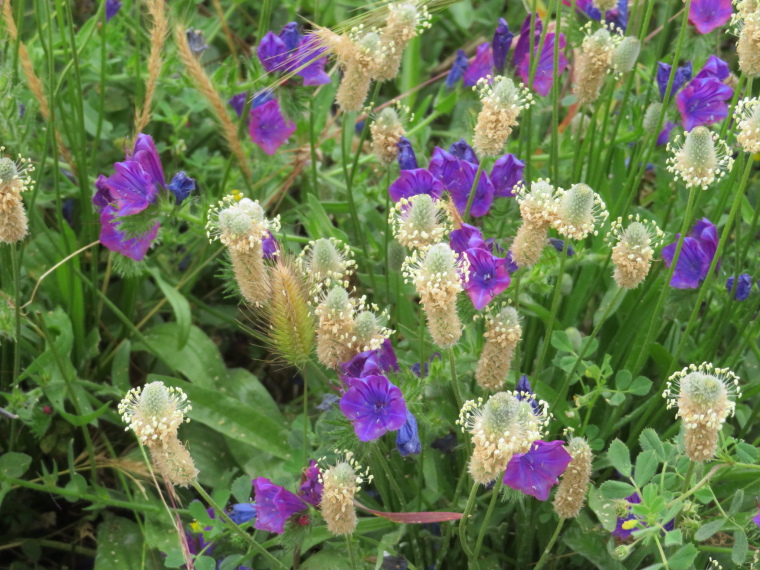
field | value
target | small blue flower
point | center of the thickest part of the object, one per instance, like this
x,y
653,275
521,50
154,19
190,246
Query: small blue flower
x,y
112,8
559,245
242,512
502,41
524,392
181,186
683,74
406,157
457,70
464,151
195,41
408,437
742,289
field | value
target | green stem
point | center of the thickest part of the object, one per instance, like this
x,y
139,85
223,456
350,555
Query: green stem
x,y
350,548
545,556
306,418
474,188
313,149
463,524
388,234
454,381
274,563
483,527
555,306
17,311
389,475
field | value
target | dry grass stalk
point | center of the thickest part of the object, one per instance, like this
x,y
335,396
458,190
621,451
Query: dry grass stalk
x,y
158,32
203,84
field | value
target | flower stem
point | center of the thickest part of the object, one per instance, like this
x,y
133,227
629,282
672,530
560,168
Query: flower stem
x,y
454,381
496,491
387,233
555,306
474,188
463,525
313,149
350,548
239,531
17,311
545,556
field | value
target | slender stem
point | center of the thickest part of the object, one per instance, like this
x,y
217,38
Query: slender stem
x,y
388,234
545,556
313,149
474,188
239,531
350,548
454,381
555,306
496,491
389,475
17,310
306,425
463,524
662,552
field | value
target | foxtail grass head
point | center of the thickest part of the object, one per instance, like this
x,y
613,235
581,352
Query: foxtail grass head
x,y
580,211
702,159
633,250
626,54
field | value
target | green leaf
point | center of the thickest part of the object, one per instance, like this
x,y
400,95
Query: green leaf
x,y
673,538
616,490
327,560
120,367
120,544
198,510
561,342
747,453
736,502
592,547
241,489
604,509
739,551
640,386
709,529
617,399
199,360
84,419
646,467
14,464
605,303
204,563
233,418
683,558
180,306
78,484
650,440
623,379
620,457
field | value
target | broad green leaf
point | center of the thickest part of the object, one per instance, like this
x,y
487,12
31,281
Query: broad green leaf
x,y
673,538
120,544
241,489
683,558
120,367
85,419
620,457
617,399
616,490
14,464
736,502
739,551
561,342
233,418
592,547
199,360
650,440
640,386
604,509
180,306
623,379
243,385
646,467
709,529
204,563
746,453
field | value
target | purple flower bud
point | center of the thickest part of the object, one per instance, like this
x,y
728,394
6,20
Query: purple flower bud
x,y
537,471
112,8
480,66
525,392
696,255
274,505
181,186
311,489
408,437
742,289
463,151
272,52
195,41
406,158
544,74
457,69
502,41
664,135
237,102
269,246
523,42
559,245
683,74
290,36
507,171
242,512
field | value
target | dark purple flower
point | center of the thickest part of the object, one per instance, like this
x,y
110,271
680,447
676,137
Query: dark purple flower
x,y
715,68
466,237
272,52
507,171
413,182
268,127
408,437
131,188
460,187
290,36
238,103
146,155
370,362
421,370
525,392
181,186
242,512
480,66
374,406
502,41
537,471
523,42
195,41
488,277
445,444
269,246
463,151
112,8
696,255
443,165
309,62
134,247
406,158
311,489
274,505
683,74
618,16
457,69
703,102
559,245
511,263
620,531
742,289
756,518
664,135
544,76
706,15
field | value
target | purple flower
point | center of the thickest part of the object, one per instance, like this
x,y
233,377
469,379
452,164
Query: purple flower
x,y
706,15
664,135
742,289
195,41
274,505
238,103
268,127
290,36
683,74
507,171
502,41
146,155
134,247
309,62
696,255
715,68
544,77
457,69
511,264
480,66
242,512
488,277
408,437
443,165
406,158
269,246
460,187
311,489
523,42
370,362
374,406
617,16
537,471
756,518
272,52
413,182
525,392
131,188
703,102
463,151
112,8
466,237
621,532
559,245
181,186
420,370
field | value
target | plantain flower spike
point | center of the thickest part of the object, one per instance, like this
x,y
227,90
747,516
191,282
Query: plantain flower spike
x,y
703,158
242,226
501,427
571,492
437,275
625,55
580,210
605,5
747,117
326,262
15,178
746,23
420,221
652,117
369,334
386,131
502,102
633,250
594,63
538,208
336,327
155,413
341,482
503,332
406,20
704,396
